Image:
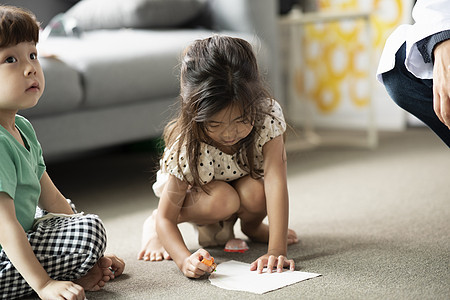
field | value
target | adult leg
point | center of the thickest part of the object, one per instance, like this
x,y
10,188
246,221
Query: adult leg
x,y
414,95
67,247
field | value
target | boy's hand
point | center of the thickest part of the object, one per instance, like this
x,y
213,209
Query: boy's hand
x,y
193,267
61,289
271,261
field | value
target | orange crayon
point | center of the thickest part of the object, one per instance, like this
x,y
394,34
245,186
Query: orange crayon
x,y
209,262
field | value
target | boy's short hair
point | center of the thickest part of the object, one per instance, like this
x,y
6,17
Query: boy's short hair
x,y
17,25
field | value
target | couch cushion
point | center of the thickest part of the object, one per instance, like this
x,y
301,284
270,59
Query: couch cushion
x,y
63,90
123,66
114,14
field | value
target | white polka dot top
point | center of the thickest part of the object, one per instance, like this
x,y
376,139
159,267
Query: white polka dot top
x,y
215,164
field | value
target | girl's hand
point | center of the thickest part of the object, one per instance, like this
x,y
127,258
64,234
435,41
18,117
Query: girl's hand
x,y
193,267
54,289
271,261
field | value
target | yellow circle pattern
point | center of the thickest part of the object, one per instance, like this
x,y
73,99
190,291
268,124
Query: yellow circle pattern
x,y
333,65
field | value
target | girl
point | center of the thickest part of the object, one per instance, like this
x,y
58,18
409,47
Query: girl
x,y
60,254
224,159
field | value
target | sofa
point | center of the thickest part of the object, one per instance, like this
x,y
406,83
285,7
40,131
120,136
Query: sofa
x,y
111,66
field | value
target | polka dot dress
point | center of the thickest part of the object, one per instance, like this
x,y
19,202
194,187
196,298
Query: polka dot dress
x,y
215,164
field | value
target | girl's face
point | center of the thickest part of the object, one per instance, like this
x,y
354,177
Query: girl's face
x,y
228,126
21,77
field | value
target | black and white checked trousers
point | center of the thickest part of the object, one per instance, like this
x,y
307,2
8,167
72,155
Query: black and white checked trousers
x,y
67,248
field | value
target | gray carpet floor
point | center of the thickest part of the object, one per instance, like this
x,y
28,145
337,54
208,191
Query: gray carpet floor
x,y
374,223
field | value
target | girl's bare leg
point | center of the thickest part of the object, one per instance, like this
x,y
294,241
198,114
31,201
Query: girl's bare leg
x,y
199,208
151,248
253,210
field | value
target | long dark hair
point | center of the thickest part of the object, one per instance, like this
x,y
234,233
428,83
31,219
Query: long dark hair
x,y
217,72
17,25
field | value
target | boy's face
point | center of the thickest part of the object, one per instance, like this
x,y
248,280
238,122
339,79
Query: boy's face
x,y
21,77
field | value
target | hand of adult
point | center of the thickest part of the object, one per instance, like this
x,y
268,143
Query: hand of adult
x,y
441,82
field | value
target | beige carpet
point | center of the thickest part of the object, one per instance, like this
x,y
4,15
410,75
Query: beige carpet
x,y
376,223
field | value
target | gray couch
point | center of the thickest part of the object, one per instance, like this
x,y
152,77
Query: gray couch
x,y
116,84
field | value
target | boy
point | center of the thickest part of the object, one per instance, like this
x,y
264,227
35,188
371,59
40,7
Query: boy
x,y
61,254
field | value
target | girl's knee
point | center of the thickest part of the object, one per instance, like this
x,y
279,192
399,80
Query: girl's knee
x,y
251,194
224,200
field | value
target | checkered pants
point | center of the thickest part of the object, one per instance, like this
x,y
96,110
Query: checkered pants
x,y
67,248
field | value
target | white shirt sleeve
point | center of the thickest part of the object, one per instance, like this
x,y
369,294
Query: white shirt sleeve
x,y
430,16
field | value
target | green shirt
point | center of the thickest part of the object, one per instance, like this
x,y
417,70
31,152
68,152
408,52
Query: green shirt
x,y
21,170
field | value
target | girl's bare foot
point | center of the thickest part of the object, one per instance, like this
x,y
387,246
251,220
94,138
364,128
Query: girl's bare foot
x,y
97,277
291,237
151,249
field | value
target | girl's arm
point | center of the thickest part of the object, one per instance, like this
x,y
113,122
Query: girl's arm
x,y
15,243
275,187
170,205
277,201
51,198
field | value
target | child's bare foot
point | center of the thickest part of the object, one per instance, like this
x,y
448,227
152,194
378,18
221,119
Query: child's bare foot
x,y
151,249
117,266
97,277
291,237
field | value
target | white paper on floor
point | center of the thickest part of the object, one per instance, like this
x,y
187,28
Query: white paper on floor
x,y
234,275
